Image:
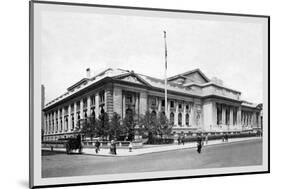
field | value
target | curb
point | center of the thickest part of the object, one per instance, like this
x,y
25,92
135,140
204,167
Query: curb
x,y
164,150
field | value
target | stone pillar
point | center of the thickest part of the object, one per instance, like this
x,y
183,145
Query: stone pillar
x,y
176,114
117,100
63,119
59,124
105,101
75,115
54,122
192,116
89,106
47,123
97,108
69,119
137,106
168,110
51,123
184,114
81,109
231,116
223,115
159,105
143,103
123,106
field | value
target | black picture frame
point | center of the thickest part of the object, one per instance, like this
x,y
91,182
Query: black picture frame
x,y
31,91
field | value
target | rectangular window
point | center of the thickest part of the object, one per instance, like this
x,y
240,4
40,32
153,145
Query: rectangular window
x,y
102,98
163,103
92,100
172,104
180,106
84,103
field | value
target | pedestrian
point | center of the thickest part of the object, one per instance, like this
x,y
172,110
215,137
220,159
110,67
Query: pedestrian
x,y
199,144
179,140
226,137
206,138
223,138
111,148
130,146
114,148
182,140
97,145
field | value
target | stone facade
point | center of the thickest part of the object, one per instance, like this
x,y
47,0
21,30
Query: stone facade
x,y
195,104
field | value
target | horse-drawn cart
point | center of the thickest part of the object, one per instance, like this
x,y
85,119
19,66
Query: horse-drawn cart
x,y
73,144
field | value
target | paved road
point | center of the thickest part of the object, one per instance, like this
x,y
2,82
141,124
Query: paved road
x,y
233,154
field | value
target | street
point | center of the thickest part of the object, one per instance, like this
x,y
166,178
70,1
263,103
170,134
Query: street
x,y
243,153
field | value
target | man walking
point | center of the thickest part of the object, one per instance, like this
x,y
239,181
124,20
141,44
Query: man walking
x,y
199,143
97,145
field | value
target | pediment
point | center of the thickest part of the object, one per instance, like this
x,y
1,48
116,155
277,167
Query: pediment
x,y
133,78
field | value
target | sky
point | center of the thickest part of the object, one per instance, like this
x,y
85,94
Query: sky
x,y
72,41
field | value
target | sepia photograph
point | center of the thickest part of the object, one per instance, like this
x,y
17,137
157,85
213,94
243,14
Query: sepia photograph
x,y
124,94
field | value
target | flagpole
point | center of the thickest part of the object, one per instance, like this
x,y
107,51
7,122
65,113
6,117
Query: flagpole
x,y
166,100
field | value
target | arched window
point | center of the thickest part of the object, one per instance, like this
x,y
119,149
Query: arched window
x,y
172,118
187,119
180,119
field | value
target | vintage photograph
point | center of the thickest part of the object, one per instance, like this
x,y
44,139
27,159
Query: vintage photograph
x,y
127,91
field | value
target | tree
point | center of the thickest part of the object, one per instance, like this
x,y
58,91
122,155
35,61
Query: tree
x,y
155,125
103,125
116,129
163,126
129,125
87,127
148,125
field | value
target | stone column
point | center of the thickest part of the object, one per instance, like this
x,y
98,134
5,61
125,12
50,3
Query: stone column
x,y
47,123
123,106
50,123
105,100
168,110
192,116
63,119
239,116
89,106
59,125
223,115
231,116
184,114
177,114
75,115
97,108
69,118
159,105
137,110
117,100
81,109
51,120
143,103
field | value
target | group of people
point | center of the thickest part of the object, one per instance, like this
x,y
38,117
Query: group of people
x,y
181,140
225,138
112,148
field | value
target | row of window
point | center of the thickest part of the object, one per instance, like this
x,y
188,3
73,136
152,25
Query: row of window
x,y
54,118
153,103
172,118
247,118
227,114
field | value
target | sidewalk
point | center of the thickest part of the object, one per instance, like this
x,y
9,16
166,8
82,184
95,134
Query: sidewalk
x,y
157,148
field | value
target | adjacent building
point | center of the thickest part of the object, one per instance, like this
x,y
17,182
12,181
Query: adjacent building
x,y
195,103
